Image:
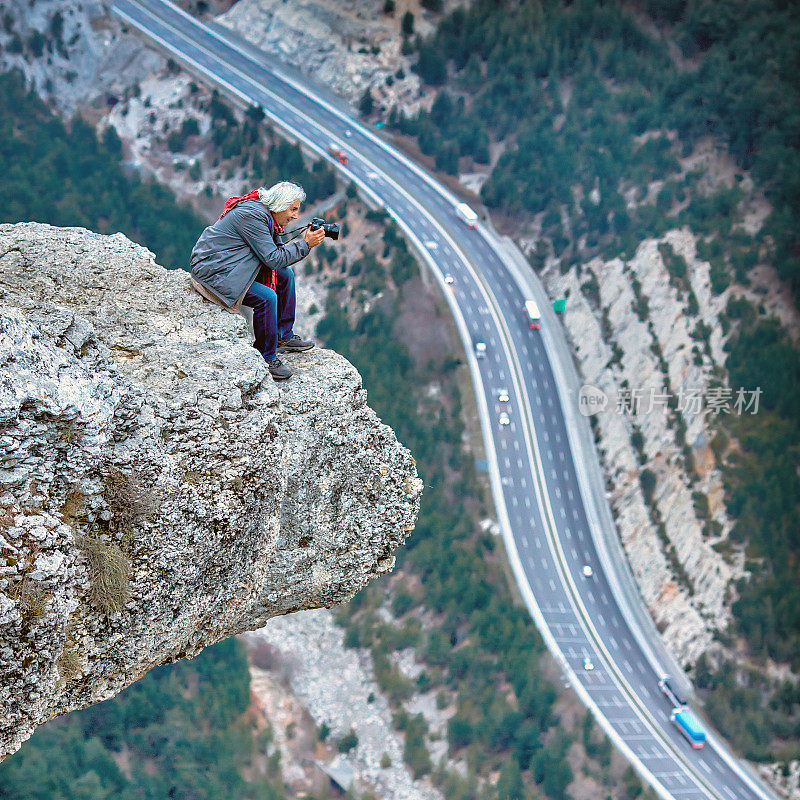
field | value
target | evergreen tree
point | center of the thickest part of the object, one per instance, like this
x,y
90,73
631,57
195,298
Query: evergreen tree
x,y
366,105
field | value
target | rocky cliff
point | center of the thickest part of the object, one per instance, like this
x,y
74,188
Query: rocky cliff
x,y
159,491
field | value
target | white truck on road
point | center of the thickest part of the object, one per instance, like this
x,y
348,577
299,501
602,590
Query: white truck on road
x,y
534,317
467,214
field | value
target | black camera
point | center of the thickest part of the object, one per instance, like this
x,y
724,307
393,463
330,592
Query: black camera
x,y
331,228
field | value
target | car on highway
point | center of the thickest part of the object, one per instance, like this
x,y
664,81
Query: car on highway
x,y
587,664
587,571
348,133
668,689
448,278
504,419
337,153
502,395
480,349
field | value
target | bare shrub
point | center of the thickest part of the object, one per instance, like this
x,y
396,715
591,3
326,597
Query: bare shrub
x,y
129,499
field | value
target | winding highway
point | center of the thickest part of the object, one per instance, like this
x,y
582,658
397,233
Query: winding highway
x,y
539,492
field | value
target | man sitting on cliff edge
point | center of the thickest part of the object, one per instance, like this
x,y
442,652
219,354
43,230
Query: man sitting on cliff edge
x,y
239,261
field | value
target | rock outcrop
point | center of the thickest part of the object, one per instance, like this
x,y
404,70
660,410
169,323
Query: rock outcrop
x,y
158,491
74,54
347,45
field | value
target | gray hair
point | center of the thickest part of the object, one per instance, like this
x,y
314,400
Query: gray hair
x,y
280,196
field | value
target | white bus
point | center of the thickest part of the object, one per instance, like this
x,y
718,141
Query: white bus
x,y
467,214
534,317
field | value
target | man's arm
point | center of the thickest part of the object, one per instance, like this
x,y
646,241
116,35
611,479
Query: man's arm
x,y
255,231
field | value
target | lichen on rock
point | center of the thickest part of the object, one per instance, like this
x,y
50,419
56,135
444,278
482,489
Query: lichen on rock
x,y
158,492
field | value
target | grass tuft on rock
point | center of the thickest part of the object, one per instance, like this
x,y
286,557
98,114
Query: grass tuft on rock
x,y
69,665
109,574
30,598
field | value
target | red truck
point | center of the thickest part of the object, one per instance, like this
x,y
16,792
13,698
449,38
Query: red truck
x,y
337,153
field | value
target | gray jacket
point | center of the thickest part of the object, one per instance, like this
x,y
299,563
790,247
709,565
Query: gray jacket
x,y
229,253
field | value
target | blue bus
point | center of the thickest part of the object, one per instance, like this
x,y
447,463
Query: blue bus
x,y
688,724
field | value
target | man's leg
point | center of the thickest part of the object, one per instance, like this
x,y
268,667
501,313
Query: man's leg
x,y
287,302
264,303
287,339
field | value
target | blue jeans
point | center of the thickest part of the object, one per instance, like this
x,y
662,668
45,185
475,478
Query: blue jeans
x,y
273,314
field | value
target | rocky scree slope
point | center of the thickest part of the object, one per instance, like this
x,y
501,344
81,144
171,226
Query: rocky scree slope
x,y
159,492
73,54
346,45
636,326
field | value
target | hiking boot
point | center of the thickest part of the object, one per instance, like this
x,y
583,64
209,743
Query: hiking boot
x,y
278,370
294,344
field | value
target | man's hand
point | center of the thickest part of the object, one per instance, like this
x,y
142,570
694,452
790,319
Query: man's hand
x,y
314,237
